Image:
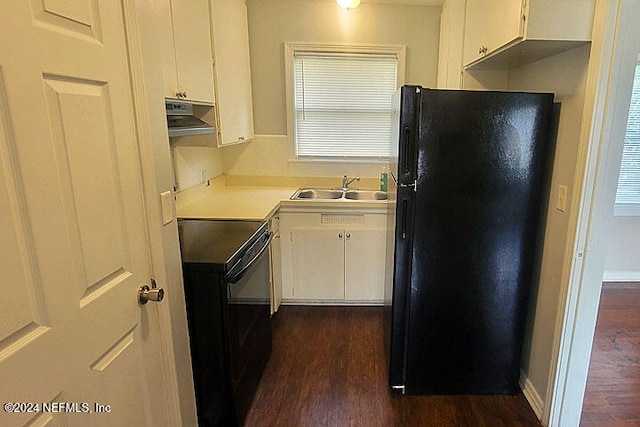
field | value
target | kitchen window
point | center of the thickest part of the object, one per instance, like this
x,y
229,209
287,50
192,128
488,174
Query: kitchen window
x,y
340,100
628,194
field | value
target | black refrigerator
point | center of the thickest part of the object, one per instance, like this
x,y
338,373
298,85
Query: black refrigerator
x,y
469,190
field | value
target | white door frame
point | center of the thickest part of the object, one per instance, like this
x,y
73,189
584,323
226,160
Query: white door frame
x,y
616,39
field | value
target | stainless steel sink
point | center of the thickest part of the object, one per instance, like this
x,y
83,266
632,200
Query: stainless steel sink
x,y
336,194
365,195
318,194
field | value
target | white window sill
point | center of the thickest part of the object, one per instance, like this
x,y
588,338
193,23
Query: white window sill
x,y
629,209
342,160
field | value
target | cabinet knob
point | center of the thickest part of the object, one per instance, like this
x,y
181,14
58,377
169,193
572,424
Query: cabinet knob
x,y
184,94
340,235
178,94
348,235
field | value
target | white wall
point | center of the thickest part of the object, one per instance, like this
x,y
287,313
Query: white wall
x,y
189,164
565,75
276,21
623,256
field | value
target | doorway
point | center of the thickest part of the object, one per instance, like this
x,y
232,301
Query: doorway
x,y
615,49
612,394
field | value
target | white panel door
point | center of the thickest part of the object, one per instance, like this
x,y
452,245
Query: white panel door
x,y
74,248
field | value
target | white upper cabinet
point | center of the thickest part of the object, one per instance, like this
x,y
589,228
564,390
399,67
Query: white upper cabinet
x,y
475,30
186,51
232,71
451,42
505,34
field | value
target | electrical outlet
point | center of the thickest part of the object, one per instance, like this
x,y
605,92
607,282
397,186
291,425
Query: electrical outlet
x,y
203,177
561,205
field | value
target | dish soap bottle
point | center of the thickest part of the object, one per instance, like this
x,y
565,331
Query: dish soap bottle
x,y
384,177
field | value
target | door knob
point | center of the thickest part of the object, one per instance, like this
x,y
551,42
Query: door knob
x,y
146,294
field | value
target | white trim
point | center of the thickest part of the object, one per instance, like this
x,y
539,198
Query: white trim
x,y
621,276
172,405
290,49
626,209
614,47
341,160
532,395
341,302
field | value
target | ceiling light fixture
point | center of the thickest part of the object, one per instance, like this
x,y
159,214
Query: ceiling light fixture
x,y
348,4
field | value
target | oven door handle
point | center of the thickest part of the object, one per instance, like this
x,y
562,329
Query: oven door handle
x,y
233,276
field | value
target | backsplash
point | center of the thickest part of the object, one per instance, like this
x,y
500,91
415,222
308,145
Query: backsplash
x,y
271,155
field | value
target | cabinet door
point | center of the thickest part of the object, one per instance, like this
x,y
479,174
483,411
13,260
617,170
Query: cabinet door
x,y
451,45
232,71
192,38
505,23
475,30
365,252
166,48
318,264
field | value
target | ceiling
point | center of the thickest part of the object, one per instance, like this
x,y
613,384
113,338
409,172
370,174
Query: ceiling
x,y
405,2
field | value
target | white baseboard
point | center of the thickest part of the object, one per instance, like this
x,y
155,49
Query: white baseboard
x,y
621,276
291,301
532,395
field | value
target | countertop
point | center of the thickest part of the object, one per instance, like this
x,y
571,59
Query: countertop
x,y
251,202
232,202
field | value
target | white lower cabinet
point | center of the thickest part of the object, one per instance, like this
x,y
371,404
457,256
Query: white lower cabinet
x,y
333,256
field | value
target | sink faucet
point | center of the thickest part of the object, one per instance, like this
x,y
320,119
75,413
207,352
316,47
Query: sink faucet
x,y
346,181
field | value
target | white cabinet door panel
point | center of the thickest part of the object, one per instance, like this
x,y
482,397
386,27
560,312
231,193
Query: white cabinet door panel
x,y
365,252
318,264
191,33
232,71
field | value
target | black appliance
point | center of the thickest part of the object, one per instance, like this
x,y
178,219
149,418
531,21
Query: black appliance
x,y
469,190
226,280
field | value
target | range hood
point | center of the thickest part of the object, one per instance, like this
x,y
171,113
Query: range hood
x,y
182,122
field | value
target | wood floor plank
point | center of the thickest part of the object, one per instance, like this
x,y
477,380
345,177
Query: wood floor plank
x,y
612,396
328,368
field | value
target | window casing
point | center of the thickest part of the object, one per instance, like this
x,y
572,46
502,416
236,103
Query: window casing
x,y
340,100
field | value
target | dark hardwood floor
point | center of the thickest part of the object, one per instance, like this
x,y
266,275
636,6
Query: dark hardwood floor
x,y
328,368
612,397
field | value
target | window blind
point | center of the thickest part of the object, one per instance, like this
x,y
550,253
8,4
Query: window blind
x,y
342,104
629,179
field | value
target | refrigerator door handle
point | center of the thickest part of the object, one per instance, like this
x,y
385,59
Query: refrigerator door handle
x,y
414,184
408,151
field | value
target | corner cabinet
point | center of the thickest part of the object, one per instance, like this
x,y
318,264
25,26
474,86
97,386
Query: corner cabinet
x,y
185,50
333,255
506,34
232,71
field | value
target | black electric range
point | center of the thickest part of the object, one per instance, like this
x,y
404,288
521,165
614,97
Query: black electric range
x,y
227,288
